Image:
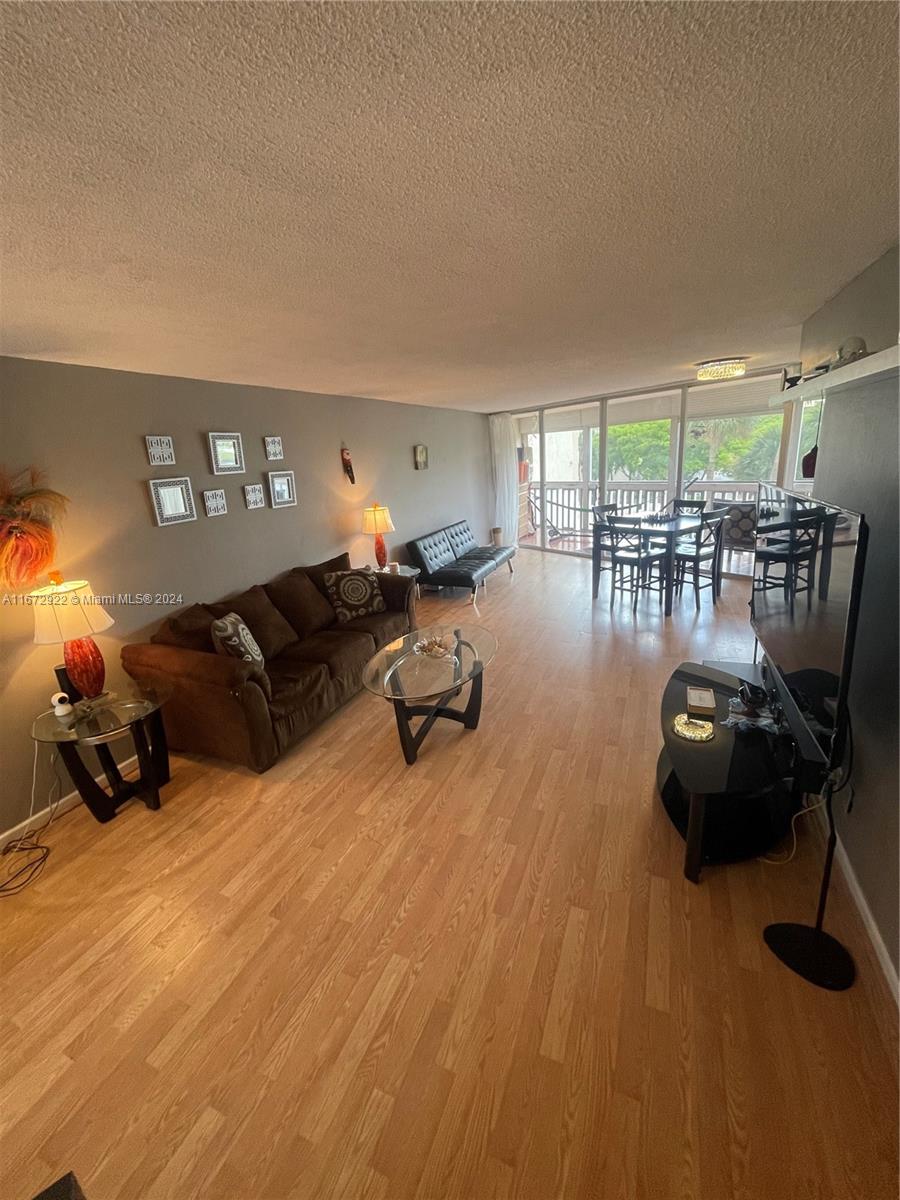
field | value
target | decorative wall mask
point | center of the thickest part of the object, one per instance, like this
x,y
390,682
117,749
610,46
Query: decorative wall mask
x,y
347,463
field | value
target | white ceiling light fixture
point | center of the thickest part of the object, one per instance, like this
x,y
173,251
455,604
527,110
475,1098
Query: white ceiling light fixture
x,y
721,368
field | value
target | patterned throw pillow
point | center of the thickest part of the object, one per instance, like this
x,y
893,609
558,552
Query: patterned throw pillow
x,y
354,594
231,636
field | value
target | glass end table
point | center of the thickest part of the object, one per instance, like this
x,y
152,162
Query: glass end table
x,y
134,712
421,673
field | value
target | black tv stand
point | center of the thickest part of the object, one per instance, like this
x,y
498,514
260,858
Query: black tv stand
x,y
726,797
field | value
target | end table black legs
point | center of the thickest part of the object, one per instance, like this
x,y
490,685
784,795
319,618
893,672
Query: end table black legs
x,y
148,782
469,716
693,853
101,804
153,759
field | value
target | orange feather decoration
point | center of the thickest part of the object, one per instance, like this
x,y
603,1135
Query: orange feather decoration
x,y
28,514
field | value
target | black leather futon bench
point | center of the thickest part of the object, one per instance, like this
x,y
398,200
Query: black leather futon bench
x,y
450,557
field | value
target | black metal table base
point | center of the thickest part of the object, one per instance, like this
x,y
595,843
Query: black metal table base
x,y
153,759
411,740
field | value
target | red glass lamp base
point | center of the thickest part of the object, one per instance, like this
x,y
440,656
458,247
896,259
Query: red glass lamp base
x,y
85,666
380,551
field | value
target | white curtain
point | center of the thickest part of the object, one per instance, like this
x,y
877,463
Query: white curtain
x,y
506,476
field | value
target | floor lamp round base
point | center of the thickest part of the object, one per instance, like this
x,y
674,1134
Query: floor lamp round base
x,y
812,953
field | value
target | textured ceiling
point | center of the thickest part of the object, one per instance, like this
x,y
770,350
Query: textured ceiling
x,y
475,205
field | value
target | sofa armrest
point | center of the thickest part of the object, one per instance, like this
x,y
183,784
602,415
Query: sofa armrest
x,y
217,705
399,593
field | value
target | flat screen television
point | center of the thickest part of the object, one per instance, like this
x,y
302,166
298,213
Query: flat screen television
x,y
807,581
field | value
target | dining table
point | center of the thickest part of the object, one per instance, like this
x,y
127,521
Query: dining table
x,y
665,527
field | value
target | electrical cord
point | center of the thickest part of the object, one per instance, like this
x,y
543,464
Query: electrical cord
x,y
17,878
801,812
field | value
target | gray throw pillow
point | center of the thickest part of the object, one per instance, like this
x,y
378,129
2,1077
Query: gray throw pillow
x,y
231,636
354,594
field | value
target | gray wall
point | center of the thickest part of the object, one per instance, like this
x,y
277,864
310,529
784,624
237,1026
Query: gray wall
x,y
84,427
857,468
867,307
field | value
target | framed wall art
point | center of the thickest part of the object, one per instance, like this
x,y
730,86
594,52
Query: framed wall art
x,y
214,501
282,492
274,449
160,450
420,458
254,496
226,453
173,500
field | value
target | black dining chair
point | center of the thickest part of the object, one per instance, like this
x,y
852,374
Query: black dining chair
x,y
689,506
700,548
602,535
795,554
632,550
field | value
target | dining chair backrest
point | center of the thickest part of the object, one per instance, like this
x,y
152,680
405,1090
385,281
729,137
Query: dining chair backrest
x,y
625,531
602,511
689,506
805,530
707,533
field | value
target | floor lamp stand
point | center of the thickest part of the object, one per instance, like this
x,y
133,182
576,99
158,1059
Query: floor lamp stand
x,y
807,949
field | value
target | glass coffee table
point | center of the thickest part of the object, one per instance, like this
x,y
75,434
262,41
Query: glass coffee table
x,y
421,673
135,711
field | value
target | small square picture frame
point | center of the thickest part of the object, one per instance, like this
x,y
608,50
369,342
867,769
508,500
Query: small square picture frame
x,y
274,448
282,489
173,500
420,458
226,453
160,450
214,502
254,495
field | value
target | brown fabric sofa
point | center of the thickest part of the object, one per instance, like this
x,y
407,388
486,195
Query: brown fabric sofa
x,y
231,709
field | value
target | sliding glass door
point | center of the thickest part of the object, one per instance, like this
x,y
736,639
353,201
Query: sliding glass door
x,y
571,441
715,441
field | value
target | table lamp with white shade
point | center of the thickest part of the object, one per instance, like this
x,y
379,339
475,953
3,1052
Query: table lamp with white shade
x,y
69,613
377,520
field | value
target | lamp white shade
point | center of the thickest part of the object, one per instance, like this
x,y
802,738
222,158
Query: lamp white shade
x,y
64,612
377,519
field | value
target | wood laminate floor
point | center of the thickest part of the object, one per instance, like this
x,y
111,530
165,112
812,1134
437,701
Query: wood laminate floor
x,y
480,977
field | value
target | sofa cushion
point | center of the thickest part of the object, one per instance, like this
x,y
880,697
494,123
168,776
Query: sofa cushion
x,y
259,614
383,627
461,538
431,551
188,629
231,636
354,594
296,685
463,573
301,603
341,652
320,570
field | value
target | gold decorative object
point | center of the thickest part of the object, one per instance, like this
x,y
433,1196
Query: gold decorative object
x,y
436,647
691,729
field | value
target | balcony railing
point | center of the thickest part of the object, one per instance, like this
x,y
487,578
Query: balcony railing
x,y
568,503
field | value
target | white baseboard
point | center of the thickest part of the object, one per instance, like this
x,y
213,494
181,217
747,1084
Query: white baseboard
x,y
881,951
862,906
63,805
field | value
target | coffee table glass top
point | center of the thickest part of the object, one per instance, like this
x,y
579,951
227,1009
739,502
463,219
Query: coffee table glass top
x,y
430,663
96,721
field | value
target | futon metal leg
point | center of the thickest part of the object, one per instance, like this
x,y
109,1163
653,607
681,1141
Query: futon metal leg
x,y
509,563
693,853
